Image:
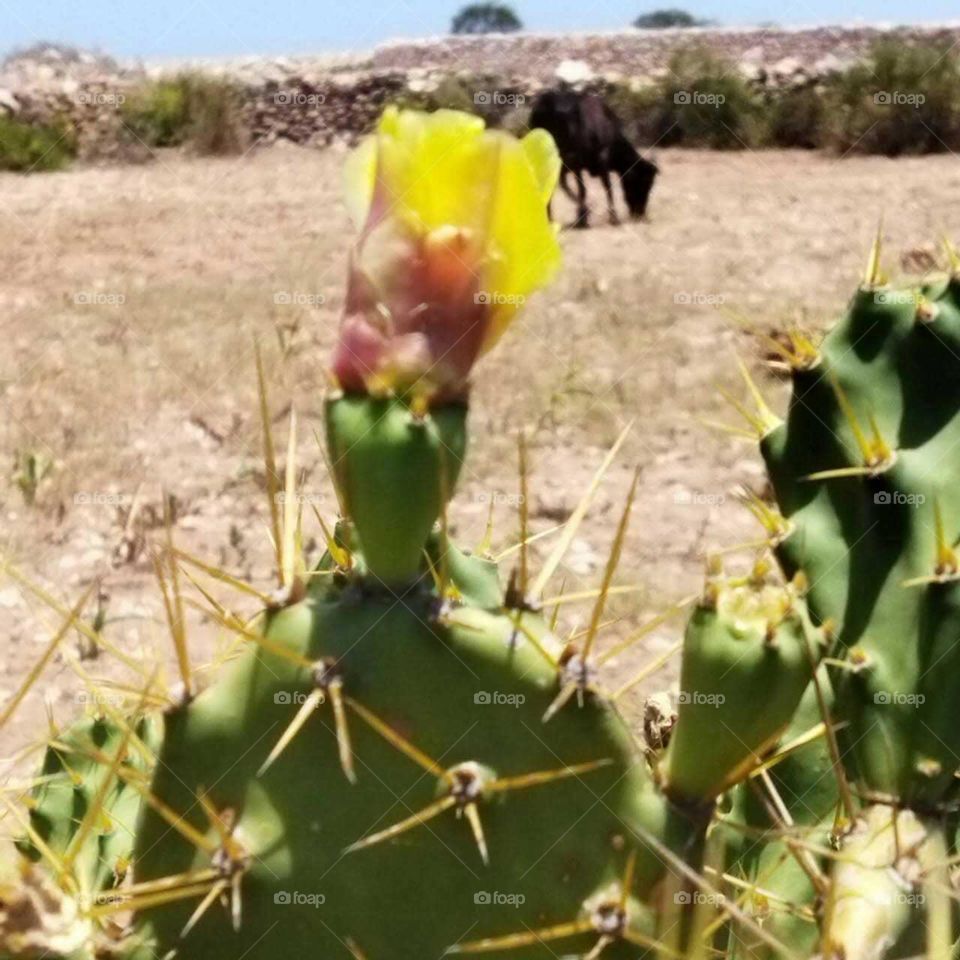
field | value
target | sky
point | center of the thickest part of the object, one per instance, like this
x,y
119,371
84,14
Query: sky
x,y
170,29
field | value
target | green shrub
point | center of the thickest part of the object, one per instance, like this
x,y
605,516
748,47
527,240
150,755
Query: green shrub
x,y
666,18
796,117
158,113
198,111
905,99
637,108
487,96
486,18
216,127
451,93
704,102
33,147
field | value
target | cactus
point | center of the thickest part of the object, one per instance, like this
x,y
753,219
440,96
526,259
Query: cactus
x,y
862,469
400,758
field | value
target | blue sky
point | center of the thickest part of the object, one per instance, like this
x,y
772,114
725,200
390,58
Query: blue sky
x,y
157,29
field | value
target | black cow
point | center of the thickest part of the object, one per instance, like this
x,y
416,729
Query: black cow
x,y
590,137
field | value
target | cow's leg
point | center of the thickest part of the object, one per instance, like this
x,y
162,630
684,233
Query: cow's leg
x,y
611,207
565,183
579,198
583,211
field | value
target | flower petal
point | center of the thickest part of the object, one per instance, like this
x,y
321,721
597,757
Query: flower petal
x,y
544,159
359,176
524,251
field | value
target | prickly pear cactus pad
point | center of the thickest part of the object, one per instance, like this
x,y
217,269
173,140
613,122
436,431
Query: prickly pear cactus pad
x,y
747,635
422,802
865,470
82,814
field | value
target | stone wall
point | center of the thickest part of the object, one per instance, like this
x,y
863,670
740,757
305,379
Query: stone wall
x,y
645,52
311,100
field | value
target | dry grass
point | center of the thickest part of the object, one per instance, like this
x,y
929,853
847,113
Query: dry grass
x,y
157,392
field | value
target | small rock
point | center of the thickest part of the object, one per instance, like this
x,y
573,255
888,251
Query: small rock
x,y
787,67
9,104
552,506
582,559
10,597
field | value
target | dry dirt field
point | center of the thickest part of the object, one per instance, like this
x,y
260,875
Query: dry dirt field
x,y
129,303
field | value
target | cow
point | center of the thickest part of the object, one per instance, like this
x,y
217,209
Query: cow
x,y
590,138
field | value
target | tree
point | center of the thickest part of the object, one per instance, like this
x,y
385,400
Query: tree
x,y
486,18
668,17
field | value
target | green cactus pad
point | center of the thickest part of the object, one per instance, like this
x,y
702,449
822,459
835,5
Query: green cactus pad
x,y
464,688
394,469
746,663
79,772
868,542
83,815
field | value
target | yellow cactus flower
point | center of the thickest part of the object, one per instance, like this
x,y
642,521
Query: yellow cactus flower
x,y
454,237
